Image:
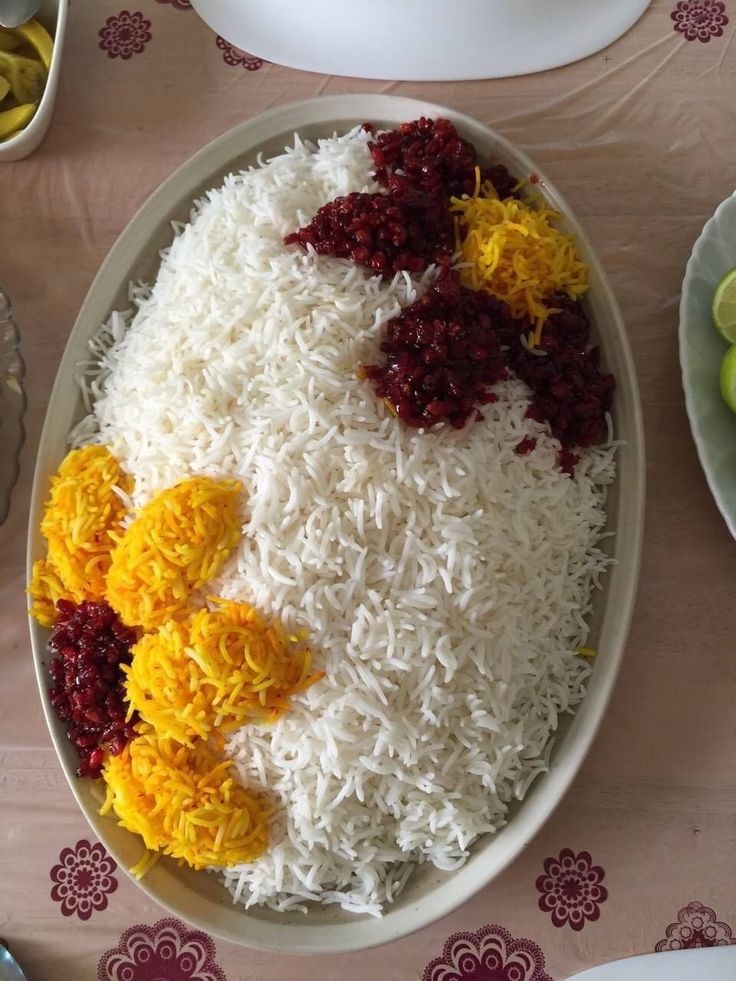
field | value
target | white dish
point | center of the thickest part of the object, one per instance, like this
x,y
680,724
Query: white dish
x,y
53,17
430,894
705,964
713,425
421,40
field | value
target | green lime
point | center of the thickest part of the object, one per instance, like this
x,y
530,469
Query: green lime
x,y
728,378
724,306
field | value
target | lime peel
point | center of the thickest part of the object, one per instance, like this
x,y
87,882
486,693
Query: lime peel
x,y
724,307
728,378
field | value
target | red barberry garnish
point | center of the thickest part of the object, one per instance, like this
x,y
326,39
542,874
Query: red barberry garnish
x,y
381,231
445,351
90,643
430,155
525,445
442,355
571,393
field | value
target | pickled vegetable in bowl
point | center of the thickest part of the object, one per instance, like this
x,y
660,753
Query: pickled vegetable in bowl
x,y
25,58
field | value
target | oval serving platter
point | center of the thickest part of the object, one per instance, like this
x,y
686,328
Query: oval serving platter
x,y
430,894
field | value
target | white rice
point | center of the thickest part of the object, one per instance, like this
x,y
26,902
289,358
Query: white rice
x,y
444,579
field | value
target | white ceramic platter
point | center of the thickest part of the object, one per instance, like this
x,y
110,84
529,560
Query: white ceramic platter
x,y
697,964
198,897
421,40
712,423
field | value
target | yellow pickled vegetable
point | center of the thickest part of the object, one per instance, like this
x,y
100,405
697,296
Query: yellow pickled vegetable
x,y
39,39
9,40
26,76
12,120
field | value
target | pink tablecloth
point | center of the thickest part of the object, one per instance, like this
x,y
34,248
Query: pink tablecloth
x,y
640,139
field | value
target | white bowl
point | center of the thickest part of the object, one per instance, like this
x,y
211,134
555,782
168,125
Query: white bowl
x,y
53,17
430,894
702,963
421,40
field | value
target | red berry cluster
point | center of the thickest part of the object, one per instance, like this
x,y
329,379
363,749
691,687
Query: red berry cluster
x,y
442,354
446,350
421,165
430,155
90,643
384,232
571,393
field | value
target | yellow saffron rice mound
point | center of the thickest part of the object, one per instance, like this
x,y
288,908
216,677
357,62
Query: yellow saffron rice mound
x,y
184,802
80,518
513,251
45,589
218,670
178,542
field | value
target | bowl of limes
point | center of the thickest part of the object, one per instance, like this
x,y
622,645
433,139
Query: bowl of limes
x,y
30,58
724,320
708,353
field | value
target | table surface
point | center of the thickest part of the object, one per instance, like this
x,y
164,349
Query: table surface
x,y
639,138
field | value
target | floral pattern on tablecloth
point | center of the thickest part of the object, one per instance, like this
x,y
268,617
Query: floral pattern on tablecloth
x,y
490,954
699,20
167,951
571,889
697,926
125,35
236,58
83,879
